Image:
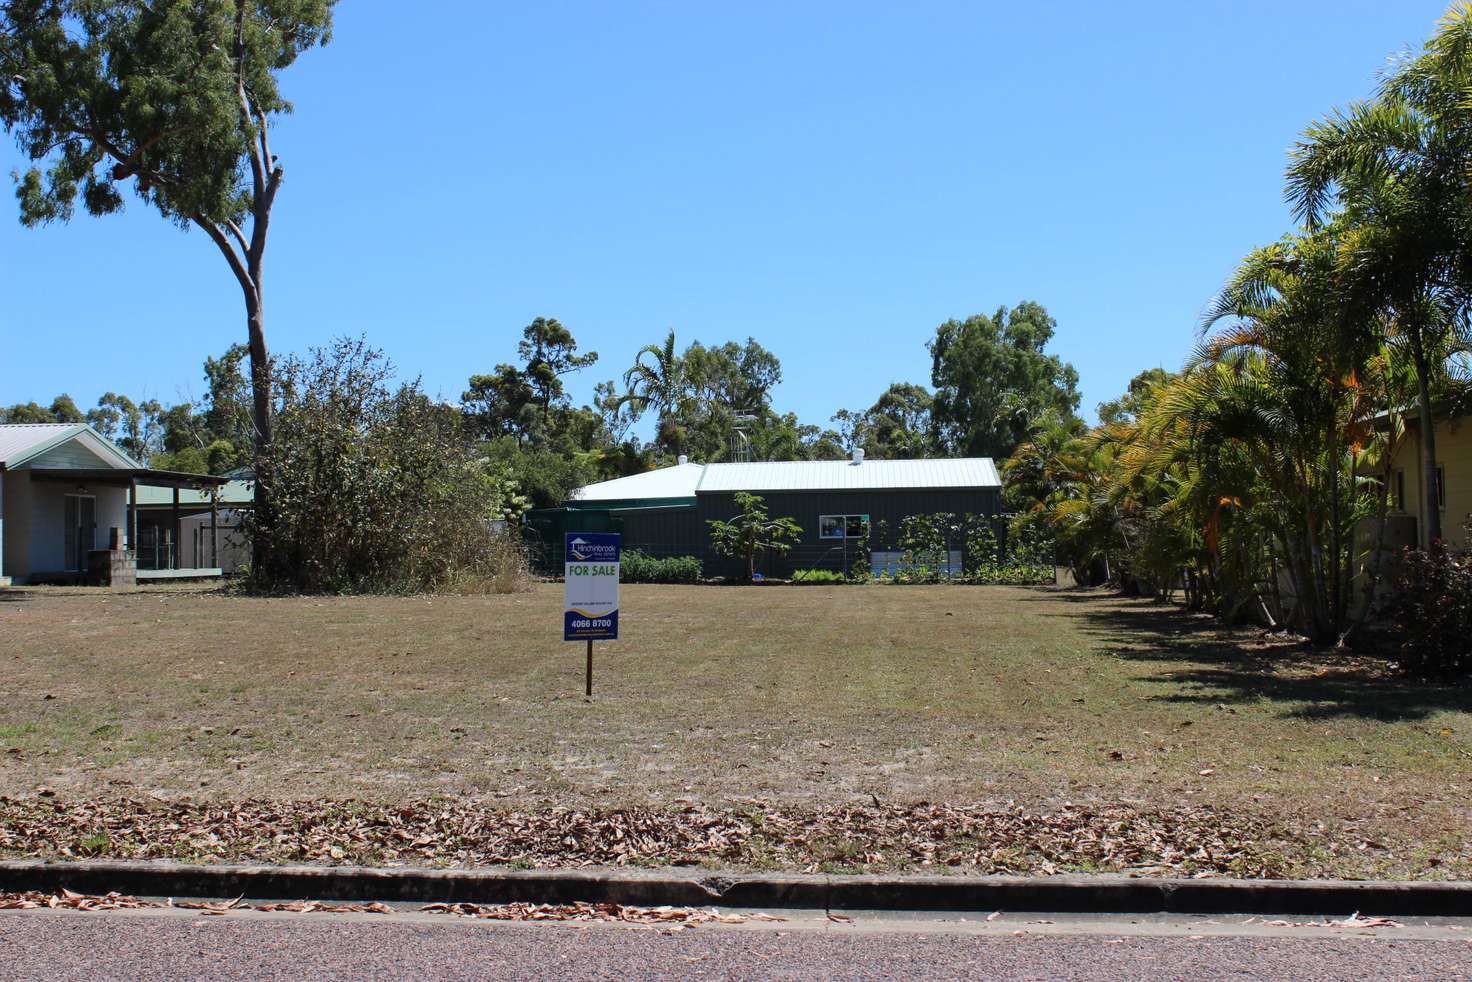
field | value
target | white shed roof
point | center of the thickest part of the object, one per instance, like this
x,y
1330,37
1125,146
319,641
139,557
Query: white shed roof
x,y
847,475
678,481
687,480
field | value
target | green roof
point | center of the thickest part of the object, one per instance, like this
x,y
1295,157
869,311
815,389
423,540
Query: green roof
x,y
233,494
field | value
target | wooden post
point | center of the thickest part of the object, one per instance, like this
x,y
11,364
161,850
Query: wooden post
x,y
588,686
178,550
132,542
215,529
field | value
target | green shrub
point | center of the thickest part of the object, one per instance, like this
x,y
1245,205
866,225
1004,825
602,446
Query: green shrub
x,y
640,567
1432,612
817,576
370,487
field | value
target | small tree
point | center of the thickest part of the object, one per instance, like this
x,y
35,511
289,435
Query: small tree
x,y
752,529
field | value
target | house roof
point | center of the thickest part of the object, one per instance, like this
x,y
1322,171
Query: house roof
x,y
21,443
235,493
678,481
29,446
848,475
688,480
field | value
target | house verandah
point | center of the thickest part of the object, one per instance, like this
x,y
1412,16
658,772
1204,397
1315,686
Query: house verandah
x,y
67,494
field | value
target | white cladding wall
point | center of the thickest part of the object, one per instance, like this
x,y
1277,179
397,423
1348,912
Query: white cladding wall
x,y
45,548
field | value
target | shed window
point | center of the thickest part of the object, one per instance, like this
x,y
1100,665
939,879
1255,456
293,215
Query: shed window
x,y
842,526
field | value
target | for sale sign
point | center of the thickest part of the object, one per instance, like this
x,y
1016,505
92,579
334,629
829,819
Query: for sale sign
x,y
590,570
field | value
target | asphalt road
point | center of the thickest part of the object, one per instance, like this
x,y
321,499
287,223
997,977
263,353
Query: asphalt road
x,y
172,945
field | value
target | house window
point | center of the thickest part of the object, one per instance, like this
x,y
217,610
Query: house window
x,y
842,526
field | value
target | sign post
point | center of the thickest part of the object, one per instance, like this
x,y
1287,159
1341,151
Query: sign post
x,y
590,598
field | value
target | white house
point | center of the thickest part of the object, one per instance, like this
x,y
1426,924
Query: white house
x,y
63,488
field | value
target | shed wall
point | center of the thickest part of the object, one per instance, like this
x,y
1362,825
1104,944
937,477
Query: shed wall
x,y
662,532
806,507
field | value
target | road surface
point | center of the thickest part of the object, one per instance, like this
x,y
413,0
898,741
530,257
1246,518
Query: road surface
x,y
172,944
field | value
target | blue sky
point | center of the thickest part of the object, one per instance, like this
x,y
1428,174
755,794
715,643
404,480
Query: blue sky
x,y
831,179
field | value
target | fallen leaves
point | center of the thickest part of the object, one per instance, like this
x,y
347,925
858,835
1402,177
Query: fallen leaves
x,y
70,900
294,907
67,900
1185,840
1353,921
670,918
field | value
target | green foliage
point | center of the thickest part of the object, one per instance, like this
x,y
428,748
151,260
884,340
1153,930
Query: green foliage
x,y
531,430
988,553
710,401
639,567
172,96
175,99
26,412
733,376
1242,478
227,414
1431,610
660,382
811,577
1392,175
550,352
897,427
752,530
214,438
992,380
1023,556
545,476
1137,397
377,489
527,402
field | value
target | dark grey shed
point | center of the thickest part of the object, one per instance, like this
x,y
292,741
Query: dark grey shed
x,y
666,512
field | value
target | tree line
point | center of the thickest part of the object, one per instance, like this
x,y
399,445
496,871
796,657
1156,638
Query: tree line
x,y
177,104
709,402
1249,477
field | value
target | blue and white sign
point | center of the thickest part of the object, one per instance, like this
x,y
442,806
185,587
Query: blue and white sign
x,y
590,572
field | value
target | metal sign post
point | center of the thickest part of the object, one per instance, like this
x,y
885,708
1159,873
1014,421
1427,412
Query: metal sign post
x,y
590,598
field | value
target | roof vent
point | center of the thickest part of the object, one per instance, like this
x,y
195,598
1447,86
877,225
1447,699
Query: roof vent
x,y
682,460
858,455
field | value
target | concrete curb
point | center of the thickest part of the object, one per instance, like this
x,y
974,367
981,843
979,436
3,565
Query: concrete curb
x,y
1077,894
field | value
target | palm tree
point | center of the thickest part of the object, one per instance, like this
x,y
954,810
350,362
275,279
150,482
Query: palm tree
x,y
1399,168
1285,305
662,384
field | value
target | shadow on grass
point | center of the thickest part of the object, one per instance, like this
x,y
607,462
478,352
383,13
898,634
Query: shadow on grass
x,y
1202,663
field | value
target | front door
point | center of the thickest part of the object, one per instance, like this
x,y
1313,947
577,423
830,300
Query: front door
x,y
80,533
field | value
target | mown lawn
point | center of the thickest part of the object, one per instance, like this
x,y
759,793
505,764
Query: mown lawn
x,y
796,697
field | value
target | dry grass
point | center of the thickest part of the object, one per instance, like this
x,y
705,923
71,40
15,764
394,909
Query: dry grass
x,y
807,696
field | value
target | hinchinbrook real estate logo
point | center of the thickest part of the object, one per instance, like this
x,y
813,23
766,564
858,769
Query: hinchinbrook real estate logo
x,y
580,550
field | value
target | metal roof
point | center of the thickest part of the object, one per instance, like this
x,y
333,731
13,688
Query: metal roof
x,y
668,482
848,475
234,493
687,480
20,442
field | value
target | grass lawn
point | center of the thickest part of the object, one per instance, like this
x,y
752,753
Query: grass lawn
x,y
799,698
